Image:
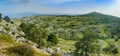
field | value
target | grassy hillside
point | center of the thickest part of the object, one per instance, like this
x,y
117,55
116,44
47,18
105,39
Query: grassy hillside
x,y
89,34
70,28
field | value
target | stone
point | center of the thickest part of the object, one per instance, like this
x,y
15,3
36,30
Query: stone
x,y
49,50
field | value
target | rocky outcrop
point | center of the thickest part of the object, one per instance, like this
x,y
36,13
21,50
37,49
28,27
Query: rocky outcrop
x,y
13,30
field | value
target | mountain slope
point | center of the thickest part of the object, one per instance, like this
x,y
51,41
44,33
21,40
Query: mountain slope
x,y
67,29
72,25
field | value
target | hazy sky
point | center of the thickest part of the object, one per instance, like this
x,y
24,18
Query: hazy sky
x,y
19,8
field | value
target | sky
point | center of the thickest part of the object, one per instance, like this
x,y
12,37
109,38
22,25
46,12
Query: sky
x,y
21,8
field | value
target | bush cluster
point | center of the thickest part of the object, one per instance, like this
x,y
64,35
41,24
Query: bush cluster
x,y
21,50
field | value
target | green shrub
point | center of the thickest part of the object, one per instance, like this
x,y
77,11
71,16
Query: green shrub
x,y
52,38
111,49
6,38
21,50
7,28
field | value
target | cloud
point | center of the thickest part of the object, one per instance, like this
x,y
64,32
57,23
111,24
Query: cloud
x,y
113,9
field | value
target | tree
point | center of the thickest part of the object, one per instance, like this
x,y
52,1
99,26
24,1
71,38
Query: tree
x,y
52,38
35,34
38,35
27,27
7,18
85,45
0,17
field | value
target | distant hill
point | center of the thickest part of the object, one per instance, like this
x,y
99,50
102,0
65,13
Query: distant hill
x,y
102,17
99,15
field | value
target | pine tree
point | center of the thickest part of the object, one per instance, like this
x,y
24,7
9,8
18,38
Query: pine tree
x,y
0,17
7,18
